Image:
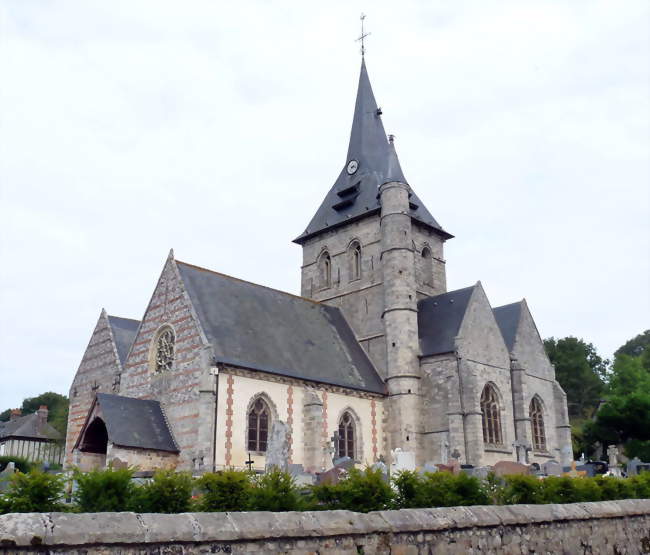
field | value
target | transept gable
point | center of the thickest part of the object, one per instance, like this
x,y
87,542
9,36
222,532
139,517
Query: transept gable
x,y
528,347
169,308
479,338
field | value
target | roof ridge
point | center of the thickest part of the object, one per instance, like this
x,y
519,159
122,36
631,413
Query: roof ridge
x,y
249,282
508,304
122,318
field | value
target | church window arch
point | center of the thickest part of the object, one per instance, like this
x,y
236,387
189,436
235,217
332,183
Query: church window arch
x,y
491,411
427,265
536,413
259,417
163,349
325,270
354,254
347,436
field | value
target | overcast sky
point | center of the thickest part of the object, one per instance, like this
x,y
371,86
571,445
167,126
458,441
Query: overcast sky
x,y
216,128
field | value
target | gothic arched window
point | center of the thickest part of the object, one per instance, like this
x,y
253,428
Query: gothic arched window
x,y
325,270
346,436
355,260
258,426
491,416
537,423
427,266
164,350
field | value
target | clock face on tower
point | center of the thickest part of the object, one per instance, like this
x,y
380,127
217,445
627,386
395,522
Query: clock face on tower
x,y
352,167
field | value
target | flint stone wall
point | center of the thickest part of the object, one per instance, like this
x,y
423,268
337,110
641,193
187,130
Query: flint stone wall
x,y
604,527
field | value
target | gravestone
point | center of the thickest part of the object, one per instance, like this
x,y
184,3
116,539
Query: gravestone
x,y
574,472
277,451
346,463
552,468
632,465
522,448
381,466
636,466
5,476
331,476
300,477
614,469
429,468
503,468
402,460
480,472
587,469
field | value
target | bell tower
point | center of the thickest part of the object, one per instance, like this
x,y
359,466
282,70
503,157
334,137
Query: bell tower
x,y
373,250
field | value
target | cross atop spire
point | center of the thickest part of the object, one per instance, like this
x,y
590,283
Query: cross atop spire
x,y
363,36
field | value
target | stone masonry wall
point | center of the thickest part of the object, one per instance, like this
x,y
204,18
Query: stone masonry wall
x,y
613,527
97,372
361,300
180,389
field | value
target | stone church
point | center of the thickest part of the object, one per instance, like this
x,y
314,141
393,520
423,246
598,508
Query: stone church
x,y
376,352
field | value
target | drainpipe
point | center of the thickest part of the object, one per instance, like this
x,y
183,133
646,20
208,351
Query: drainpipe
x,y
462,402
215,373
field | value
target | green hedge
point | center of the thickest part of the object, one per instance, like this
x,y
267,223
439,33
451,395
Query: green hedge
x,y
362,491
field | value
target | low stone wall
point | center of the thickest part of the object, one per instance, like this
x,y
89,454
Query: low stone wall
x,y
606,527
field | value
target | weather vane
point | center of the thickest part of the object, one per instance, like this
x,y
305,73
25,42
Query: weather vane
x,y
363,35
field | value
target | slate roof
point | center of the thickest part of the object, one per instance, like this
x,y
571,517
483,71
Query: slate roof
x,y
259,328
137,423
124,330
439,320
355,196
28,426
507,317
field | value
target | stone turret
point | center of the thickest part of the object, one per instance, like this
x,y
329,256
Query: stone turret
x,y
400,309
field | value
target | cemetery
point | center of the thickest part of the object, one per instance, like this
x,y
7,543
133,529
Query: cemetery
x,y
396,508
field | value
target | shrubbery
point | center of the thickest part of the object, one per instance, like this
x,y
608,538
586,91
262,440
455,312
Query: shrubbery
x,y
362,491
440,489
168,492
228,490
33,492
104,490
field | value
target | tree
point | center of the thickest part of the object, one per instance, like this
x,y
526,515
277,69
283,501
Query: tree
x,y
56,403
581,372
636,346
625,417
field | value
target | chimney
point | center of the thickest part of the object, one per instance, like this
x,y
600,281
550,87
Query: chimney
x,y
42,413
15,413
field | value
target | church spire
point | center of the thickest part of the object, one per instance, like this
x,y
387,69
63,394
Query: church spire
x,y
371,161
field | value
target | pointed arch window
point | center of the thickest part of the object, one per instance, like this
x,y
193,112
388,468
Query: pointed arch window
x,y
537,424
164,350
325,270
258,426
491,416
347,436
355,260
